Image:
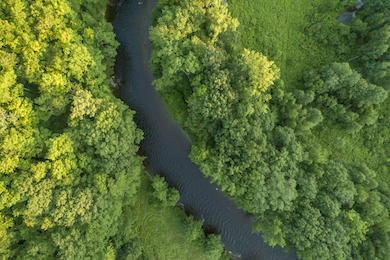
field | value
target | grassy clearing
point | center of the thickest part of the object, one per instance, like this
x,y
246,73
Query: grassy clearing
x,y
276,28
162,230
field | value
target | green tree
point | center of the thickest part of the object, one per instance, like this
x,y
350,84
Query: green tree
x,y
342,91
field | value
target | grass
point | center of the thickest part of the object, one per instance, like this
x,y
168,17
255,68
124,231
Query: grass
x,y
283,30
277,28
162,230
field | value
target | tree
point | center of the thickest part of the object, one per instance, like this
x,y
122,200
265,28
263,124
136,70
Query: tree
x,y
163,195
343,91
62,194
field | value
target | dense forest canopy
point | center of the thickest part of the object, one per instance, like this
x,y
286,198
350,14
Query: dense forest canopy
x,y
71,184
253,134
65,176
73,187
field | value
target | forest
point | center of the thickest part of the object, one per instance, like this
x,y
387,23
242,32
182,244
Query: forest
x,y
288,113
289,118
71,183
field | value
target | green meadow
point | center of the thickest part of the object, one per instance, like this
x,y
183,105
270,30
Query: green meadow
x,y
157,227
279,30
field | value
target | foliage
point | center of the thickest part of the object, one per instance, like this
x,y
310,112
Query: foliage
x,y
164,196
344,95
223,94
69,173
53,141
293,109
164,231
298,36
263,152
371,32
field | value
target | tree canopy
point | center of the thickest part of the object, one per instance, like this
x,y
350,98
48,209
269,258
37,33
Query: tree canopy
x,y
252,134
69,171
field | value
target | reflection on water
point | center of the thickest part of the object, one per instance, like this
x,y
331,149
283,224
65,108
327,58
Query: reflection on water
x,y
167,146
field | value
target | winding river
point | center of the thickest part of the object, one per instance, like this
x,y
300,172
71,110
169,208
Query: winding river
x,y
166,146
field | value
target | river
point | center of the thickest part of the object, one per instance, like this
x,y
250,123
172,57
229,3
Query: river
x,y
166,146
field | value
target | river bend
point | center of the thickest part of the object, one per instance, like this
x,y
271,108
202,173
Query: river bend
x,y
166,146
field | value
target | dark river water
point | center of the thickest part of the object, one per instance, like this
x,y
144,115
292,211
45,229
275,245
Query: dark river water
x,y
166,146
